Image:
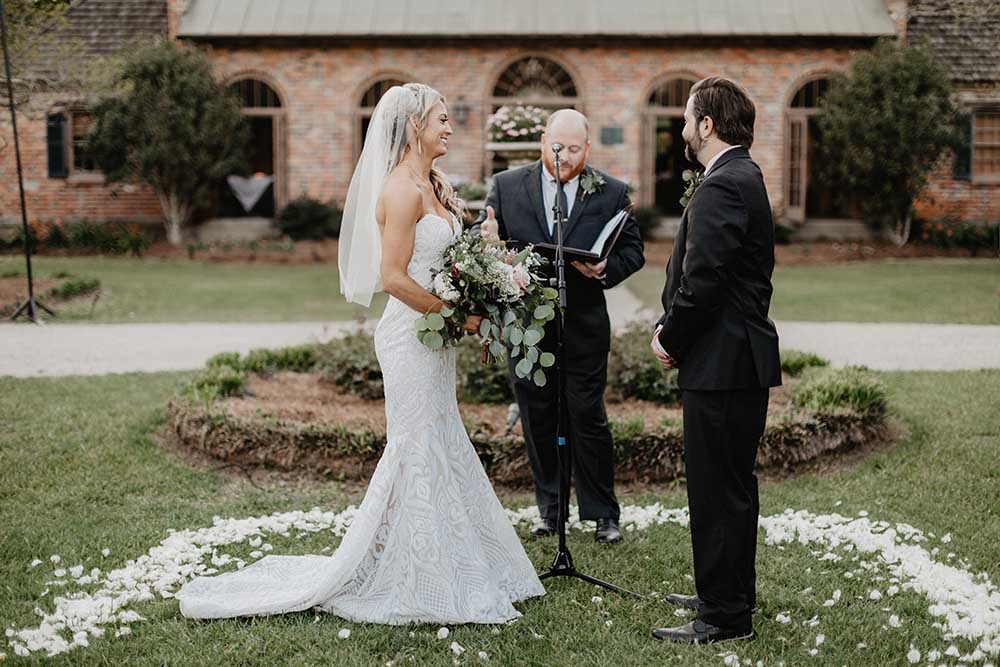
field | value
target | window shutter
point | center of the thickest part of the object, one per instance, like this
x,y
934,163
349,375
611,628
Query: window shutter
x,y
961,169
56,139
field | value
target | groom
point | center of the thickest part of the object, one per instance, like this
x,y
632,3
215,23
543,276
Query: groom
x,y
519,210
716,331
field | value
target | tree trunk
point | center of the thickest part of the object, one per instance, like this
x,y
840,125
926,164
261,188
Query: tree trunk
x,y
176,215
901,234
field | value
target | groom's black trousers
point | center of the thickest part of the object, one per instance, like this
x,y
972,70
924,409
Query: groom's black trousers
x,y
722,430
593,454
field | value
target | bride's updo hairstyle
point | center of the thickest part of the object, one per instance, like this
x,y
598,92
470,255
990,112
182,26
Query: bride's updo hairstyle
x,y
416,102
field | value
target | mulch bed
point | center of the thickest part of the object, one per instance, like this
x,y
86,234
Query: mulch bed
x,y
13,292
297,423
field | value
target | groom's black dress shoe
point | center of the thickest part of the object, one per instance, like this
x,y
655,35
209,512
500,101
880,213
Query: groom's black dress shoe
x,y
546,528
608,531
686,601
700,632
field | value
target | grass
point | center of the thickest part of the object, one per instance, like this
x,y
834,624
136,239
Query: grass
x,y
958,291
153,290
79,471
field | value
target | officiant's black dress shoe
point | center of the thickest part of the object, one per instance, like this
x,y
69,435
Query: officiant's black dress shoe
x,y
545,529
700,632
608,531
690,601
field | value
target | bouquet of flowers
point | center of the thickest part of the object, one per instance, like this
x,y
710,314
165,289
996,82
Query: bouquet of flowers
x,y
517,123
486,278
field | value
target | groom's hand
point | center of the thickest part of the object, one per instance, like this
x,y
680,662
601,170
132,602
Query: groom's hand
x,y
490,228
595,271
665,359
472,323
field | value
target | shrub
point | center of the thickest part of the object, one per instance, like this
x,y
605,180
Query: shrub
x,y
472,191
794,362
308,218
478,383
299,359
648,219
633,372
216,382
826,389
950,233
75,287
228,359
350,363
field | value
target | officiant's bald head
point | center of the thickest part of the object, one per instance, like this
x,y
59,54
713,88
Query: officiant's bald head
x,y
570,128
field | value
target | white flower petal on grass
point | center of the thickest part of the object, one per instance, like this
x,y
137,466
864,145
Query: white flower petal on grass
x,y
105,552
443,633
344,633
894,622
783,618
457,648
76,570
255,541
36,563
820,638
597,599
60,572
55,558
256,554
947,538
913,656
952,651
730,659
874,595
609,623
813,651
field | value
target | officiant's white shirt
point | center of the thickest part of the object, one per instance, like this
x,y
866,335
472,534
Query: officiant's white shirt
x,y
549,195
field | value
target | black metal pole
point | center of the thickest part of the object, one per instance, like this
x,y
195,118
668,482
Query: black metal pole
x,y
562,563
28,308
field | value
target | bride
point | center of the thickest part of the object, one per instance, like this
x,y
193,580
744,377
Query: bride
x,y
431,542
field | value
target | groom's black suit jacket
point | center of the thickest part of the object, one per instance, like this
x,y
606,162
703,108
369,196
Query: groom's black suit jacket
x,y
516,198
718,289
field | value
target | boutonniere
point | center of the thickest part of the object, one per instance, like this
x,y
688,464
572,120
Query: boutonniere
x,y
693,179
591,182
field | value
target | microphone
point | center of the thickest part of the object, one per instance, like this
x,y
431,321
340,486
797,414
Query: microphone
x,y
556,148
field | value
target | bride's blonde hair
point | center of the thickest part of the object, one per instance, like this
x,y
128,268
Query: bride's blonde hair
x,y
418,106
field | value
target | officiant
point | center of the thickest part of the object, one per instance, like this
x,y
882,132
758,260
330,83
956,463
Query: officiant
x,y
519,210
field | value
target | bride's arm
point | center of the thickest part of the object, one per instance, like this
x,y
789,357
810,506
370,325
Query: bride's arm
x,y
402,207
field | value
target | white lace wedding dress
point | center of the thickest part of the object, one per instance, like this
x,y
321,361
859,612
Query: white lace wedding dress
x,y
431,542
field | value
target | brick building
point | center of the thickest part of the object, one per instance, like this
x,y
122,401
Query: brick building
x,y
310,71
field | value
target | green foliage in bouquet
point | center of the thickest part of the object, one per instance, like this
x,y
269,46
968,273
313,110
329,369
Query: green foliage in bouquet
x,y
483,277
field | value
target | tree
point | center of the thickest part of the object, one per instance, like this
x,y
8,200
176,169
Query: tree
x,y
171,125
885,127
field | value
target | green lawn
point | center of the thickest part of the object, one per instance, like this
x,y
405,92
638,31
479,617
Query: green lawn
x,y
79,471
152,290
959,291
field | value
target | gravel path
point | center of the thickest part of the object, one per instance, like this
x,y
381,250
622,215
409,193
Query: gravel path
x,y
95,349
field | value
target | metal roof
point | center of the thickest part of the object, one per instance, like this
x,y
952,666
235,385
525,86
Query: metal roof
x,y
471,19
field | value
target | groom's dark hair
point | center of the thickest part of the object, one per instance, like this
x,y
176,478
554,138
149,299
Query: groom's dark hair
x,y
729,107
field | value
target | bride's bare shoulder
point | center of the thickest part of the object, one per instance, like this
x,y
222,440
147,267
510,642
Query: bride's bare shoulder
x,y
401,198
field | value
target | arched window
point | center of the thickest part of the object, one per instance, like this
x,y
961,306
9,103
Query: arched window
x,y
535,80
262,192
255,94
805,195
663,155
367,105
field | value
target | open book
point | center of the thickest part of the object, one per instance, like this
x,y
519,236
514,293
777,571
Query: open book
x,y
602,246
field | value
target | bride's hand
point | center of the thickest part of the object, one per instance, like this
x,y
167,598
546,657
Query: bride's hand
x,y
472,323
490,228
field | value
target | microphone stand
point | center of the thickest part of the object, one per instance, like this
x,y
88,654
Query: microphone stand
x,y
31,305
562,564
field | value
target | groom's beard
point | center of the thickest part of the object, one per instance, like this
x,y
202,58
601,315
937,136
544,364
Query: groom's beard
x,y
691,149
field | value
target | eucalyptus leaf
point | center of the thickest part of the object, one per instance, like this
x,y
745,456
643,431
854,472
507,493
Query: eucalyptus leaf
x,y
433,340
539,378
544,312
523,368
531,354
484,328
435,321
533,336
550,293
509,317
547,359
447,311
516,336
515,351
422,324
496,349
521,256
